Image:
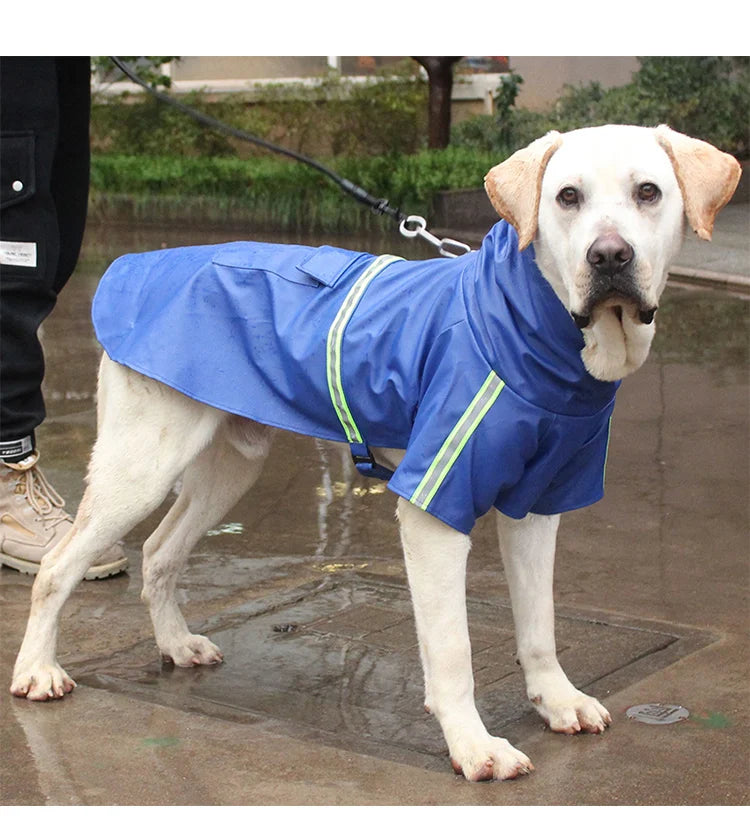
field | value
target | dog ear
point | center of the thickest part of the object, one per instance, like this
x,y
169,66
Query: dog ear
x,y
514,186
706,176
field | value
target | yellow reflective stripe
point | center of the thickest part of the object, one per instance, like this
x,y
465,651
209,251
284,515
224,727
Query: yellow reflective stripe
x,y
335,341
456,441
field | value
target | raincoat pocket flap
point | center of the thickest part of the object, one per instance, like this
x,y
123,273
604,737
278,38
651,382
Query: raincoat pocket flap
x,y
327,264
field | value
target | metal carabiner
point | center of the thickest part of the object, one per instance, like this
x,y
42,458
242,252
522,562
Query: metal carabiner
x,y
442,245
420,230
462,248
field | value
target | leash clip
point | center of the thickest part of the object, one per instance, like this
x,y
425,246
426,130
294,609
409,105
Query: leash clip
x,y
447,247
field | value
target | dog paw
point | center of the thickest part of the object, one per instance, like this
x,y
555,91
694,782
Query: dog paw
x,y
493,758
572,712
41,683
191,651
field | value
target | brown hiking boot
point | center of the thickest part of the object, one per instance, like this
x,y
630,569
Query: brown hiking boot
x,y
33,520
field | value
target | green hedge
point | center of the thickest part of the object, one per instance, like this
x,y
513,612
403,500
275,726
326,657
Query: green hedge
x,y
332,115
285,194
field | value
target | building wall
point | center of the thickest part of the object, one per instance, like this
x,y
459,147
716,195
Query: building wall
x,y
247,68
256,68
544,77
476,82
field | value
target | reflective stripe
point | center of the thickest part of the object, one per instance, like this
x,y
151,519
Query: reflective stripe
x,y
335,339
606,452
456,441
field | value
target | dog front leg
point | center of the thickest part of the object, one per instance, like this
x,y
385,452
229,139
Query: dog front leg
x,y
528,548
436,557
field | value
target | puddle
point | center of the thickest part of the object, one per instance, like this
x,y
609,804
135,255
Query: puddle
x,y
338,661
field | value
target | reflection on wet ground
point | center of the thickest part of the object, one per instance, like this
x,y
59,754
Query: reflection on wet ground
x,y
339,658
313,549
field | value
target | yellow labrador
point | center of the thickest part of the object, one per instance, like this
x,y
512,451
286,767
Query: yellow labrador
x,y
605,210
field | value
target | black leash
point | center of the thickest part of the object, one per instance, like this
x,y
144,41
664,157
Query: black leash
x,y
379,205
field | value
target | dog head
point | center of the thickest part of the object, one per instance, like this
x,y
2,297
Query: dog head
x,y
605,207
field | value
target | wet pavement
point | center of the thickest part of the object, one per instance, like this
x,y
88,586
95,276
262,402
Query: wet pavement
x,y
319,700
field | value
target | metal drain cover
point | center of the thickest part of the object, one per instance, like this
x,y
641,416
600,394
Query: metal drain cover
x,y
657,714
348,671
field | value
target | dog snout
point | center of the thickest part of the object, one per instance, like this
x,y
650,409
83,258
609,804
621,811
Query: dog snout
x,y
610,254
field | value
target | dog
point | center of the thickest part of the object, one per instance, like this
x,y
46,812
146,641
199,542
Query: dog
x,y
495,390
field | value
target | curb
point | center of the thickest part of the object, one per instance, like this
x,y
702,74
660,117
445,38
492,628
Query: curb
x,y
705,277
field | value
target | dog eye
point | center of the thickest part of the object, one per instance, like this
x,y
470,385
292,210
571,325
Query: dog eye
x,y
648,193
568,196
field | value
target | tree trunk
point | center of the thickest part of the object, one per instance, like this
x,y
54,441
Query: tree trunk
x,y
440,76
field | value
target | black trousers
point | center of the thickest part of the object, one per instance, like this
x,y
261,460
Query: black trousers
x,y
44,178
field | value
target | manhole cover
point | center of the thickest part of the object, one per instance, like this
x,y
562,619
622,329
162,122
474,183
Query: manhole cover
x,y
657,714
346,668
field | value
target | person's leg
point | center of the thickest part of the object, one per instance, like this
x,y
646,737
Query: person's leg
x,y
29,242
70,173
44,126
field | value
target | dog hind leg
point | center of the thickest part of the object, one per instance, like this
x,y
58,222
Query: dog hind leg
x,y
436,558
148,435
528,549
211,485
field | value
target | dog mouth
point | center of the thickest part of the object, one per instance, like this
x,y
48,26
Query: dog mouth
x,y
618,305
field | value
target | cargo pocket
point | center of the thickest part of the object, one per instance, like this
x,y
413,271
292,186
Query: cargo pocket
x,y
17,179
22,250
317,267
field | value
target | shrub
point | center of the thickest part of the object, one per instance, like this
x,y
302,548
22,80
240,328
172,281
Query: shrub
x,y
333,116
706,97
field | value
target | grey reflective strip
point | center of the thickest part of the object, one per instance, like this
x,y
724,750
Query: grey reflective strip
x,y
456,441
606,452
335,339
14,449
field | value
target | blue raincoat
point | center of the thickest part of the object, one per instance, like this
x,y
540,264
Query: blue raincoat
x,y
472,365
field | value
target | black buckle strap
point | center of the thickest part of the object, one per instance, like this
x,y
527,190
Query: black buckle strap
x,y
366,464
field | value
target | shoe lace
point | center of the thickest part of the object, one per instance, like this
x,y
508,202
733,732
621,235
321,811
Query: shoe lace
x,y
42,497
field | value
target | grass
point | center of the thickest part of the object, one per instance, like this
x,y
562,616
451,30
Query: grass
x,y
274,192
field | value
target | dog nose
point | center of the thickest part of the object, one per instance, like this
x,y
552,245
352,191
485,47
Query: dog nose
x,y
609,254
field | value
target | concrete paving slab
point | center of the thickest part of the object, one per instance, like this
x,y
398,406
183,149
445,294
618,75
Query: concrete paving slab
x,y
725,260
